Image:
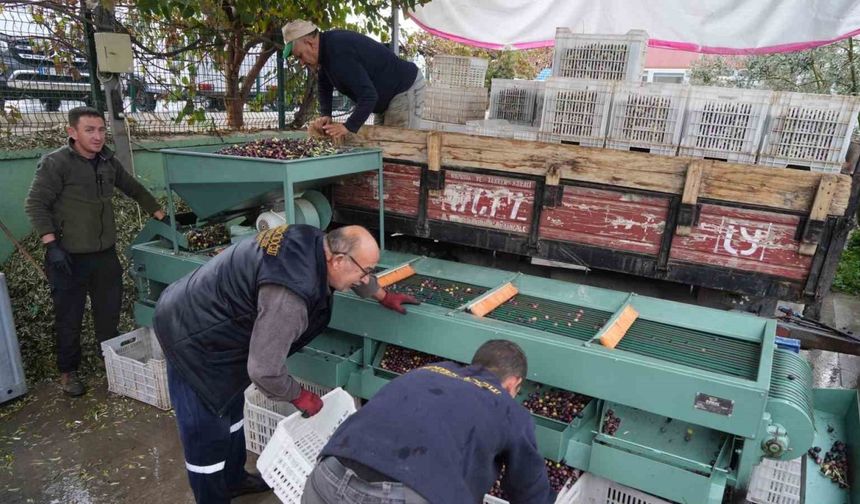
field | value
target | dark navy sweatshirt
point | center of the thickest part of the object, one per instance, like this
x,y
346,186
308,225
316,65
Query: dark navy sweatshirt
x,y
364,70
444,430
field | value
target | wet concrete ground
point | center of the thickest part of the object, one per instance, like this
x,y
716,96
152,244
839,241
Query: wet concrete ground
x,y
103,448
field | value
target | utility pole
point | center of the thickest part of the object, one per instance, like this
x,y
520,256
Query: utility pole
x,y
395,30
103,20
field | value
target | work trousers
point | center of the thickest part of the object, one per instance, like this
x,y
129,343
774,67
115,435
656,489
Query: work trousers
x,y
214,446
332,483
98,275
405,109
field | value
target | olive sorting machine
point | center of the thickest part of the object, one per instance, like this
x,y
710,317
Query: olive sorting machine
x,y
703,395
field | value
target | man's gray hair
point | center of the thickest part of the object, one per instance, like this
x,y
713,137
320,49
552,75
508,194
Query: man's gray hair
x,y
503,358
341,241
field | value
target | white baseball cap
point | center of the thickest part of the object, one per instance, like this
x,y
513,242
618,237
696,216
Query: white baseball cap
x,y
295,30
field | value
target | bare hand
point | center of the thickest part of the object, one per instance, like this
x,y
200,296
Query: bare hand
x,y
336,130
319,122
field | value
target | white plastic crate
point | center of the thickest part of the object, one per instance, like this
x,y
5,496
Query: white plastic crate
x,y
724,123
263,414
571,494
775,482
598,56
261,418
592,489
576,111
647,117
515,100
454,104
458,71
136,368
501,128
809,131
292,452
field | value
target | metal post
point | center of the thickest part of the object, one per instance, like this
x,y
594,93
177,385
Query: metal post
x,y
395,30
95,88
104,21
282,117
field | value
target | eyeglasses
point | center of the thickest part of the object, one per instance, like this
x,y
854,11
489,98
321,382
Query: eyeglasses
x,y
359,266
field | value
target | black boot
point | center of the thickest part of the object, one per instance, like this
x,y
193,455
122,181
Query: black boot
x,y
71,384
251,483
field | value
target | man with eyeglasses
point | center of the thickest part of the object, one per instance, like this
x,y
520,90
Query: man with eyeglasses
x,y
235,320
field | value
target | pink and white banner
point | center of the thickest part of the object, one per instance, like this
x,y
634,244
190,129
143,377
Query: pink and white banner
x,y
705,26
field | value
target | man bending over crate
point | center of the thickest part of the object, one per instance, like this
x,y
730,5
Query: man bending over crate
x,y
438,434
362,69
235,320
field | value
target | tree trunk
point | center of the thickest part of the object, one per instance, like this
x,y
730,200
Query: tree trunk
x,y
308,102
232,103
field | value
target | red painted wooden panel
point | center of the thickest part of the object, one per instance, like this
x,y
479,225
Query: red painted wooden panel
x,y
402,188
748,240
501,203
607,219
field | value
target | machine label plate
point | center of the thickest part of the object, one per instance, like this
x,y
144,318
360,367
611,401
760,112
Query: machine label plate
x,y
713,404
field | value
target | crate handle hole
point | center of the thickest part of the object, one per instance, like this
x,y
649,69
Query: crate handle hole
x,y
128,341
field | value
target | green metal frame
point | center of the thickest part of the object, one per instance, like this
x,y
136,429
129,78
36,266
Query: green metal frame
x,y
646,389
213,183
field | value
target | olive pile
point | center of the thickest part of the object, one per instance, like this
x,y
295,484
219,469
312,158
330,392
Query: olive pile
x,y
560,476
556,404
207,237
283,148
402,360
834,465
611,423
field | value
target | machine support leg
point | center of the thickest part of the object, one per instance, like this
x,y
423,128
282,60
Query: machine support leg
x,y
381,209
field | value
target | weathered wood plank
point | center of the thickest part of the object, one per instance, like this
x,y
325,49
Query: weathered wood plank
x,y
748,240
778,188
818,213
692,186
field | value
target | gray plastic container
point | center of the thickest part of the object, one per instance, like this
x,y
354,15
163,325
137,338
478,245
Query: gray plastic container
x,y
12,381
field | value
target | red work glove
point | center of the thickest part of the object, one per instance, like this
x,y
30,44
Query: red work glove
x,y
395,300
308,403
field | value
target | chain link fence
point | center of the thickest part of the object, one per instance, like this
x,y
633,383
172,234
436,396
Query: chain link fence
x,y
45,71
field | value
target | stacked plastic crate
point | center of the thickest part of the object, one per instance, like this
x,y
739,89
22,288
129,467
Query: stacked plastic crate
x,y
515,110
647,117
724,124
808,131
455,93
585,70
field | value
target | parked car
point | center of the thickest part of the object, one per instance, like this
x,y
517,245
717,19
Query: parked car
x,y
27,71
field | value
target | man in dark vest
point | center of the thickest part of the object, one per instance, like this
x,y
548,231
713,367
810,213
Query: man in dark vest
x,y
235,320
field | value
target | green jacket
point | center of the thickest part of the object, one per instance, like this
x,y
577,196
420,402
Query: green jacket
x,y
71,199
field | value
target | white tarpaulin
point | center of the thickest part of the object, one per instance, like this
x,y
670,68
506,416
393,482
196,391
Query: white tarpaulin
x,y
707,26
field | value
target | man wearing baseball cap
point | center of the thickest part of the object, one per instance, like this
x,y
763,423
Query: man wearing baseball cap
x,y
364,70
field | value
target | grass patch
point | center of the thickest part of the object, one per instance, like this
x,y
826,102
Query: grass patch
x,y
848,272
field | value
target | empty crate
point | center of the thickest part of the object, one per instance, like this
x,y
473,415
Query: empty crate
x,y
724,124
599,57
136,367
809,131
454,105
515,100
458,71
647,117
576,111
